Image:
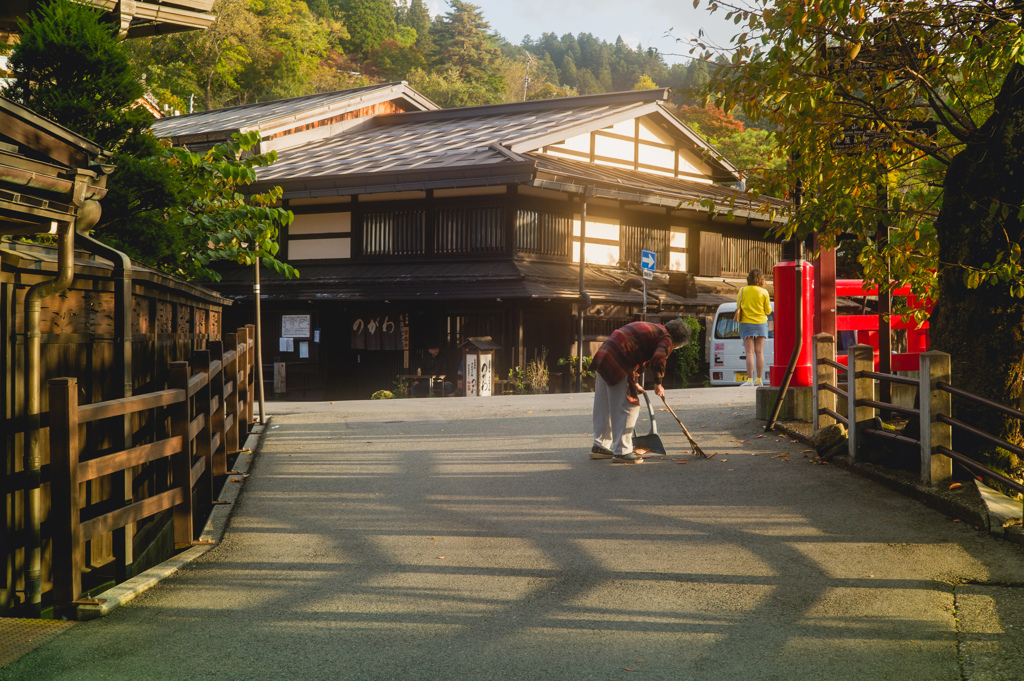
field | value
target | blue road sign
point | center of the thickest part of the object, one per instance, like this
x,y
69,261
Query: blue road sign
x,y
647,260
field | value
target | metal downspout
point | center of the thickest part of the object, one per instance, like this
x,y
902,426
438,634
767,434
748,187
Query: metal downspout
x,y
584,300
85,199
122,491
33,395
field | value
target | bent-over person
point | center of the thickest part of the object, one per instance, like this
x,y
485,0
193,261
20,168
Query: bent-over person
x,y
619,363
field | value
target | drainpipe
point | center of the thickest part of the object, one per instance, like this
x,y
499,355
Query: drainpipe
x,y
584,300
88,213
33,393
122,483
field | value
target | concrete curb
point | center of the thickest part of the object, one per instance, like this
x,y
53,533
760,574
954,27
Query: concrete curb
x,y
212,532
970,503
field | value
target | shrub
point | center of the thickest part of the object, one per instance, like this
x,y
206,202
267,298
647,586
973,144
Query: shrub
x,y
687,358
382,395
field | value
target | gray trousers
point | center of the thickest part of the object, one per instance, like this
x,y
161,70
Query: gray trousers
x,y
614,416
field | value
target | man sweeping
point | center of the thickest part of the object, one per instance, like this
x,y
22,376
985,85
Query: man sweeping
x,y
620,363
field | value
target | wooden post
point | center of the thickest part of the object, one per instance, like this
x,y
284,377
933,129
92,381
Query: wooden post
x,y
204,438
181,463
231,394
824,348
220,464
935,467
65,505
860,358
250,375
243,384
280,380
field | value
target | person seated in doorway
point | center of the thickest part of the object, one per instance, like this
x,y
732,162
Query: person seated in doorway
x,y
434,366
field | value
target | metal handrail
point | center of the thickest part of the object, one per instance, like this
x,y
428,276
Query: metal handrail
x,y
891,436
832,389
838,417
890,407
832,363
942,385
998,441
892,378
974,465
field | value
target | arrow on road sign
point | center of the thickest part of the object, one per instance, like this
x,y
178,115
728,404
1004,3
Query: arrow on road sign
x,y
647,260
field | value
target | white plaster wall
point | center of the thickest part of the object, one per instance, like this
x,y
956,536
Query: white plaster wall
x,y
317,249
321,223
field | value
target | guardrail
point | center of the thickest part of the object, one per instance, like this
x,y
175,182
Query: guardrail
x,y
935,413
209,409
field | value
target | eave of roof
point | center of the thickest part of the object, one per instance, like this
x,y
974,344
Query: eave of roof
x,y
572,176
428,281
44,125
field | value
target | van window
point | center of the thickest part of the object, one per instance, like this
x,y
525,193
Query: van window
x,y
726,328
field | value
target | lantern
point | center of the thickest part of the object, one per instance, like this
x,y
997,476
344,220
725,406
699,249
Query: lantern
x,y
478,365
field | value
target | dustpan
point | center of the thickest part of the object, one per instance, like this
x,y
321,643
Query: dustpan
x,y
651,441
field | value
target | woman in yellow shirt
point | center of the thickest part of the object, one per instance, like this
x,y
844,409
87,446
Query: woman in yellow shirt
x,y
754,305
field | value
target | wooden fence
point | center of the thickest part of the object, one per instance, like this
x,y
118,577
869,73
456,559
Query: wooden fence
x,y
935,413
209,407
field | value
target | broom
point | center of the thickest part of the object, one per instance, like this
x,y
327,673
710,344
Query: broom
x,y
693,443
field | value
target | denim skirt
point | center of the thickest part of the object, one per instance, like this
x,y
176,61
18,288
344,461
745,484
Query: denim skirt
x,y
753,330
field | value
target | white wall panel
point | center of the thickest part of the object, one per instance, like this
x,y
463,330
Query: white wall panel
x,y
317,249
321,223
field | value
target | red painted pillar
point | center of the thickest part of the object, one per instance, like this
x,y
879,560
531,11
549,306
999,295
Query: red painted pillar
x,y
784,307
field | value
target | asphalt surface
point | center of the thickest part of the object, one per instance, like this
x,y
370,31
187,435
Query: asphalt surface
x,y
472,538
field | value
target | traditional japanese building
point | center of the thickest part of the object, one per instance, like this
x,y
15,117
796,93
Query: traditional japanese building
x,y
430,226
131,18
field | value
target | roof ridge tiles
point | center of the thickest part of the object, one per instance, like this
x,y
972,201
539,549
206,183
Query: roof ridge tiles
x,y
488,110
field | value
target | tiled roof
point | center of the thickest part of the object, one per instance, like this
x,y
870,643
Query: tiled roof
x,y
477,280
408,142
415,142
250,116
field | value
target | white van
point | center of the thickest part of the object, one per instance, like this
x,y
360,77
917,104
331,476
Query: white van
x,y
726,356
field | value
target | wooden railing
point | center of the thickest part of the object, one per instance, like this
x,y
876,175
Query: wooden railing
x,y
209,409
935,413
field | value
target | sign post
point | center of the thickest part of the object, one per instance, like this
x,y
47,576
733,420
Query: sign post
x,y
648,260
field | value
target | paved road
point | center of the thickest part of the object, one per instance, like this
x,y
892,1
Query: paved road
x,y
474,539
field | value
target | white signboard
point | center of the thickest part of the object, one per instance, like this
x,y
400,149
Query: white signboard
x,y
295,325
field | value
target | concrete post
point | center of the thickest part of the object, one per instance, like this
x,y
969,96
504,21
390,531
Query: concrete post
x,y
935,467
860,358
824,348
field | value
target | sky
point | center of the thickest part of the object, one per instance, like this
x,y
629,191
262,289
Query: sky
x,y
637,21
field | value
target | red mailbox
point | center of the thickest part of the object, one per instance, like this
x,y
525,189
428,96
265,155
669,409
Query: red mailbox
x,y
784,307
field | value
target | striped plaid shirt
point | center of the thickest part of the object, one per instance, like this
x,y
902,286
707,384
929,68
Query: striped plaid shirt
x,y
628,349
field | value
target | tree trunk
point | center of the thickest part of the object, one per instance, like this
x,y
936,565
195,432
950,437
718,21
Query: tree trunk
x,y
983,328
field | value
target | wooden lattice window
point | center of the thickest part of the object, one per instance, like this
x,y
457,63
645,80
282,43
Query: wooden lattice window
x,y
637,237
543,233
394,233
469,230
739,256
